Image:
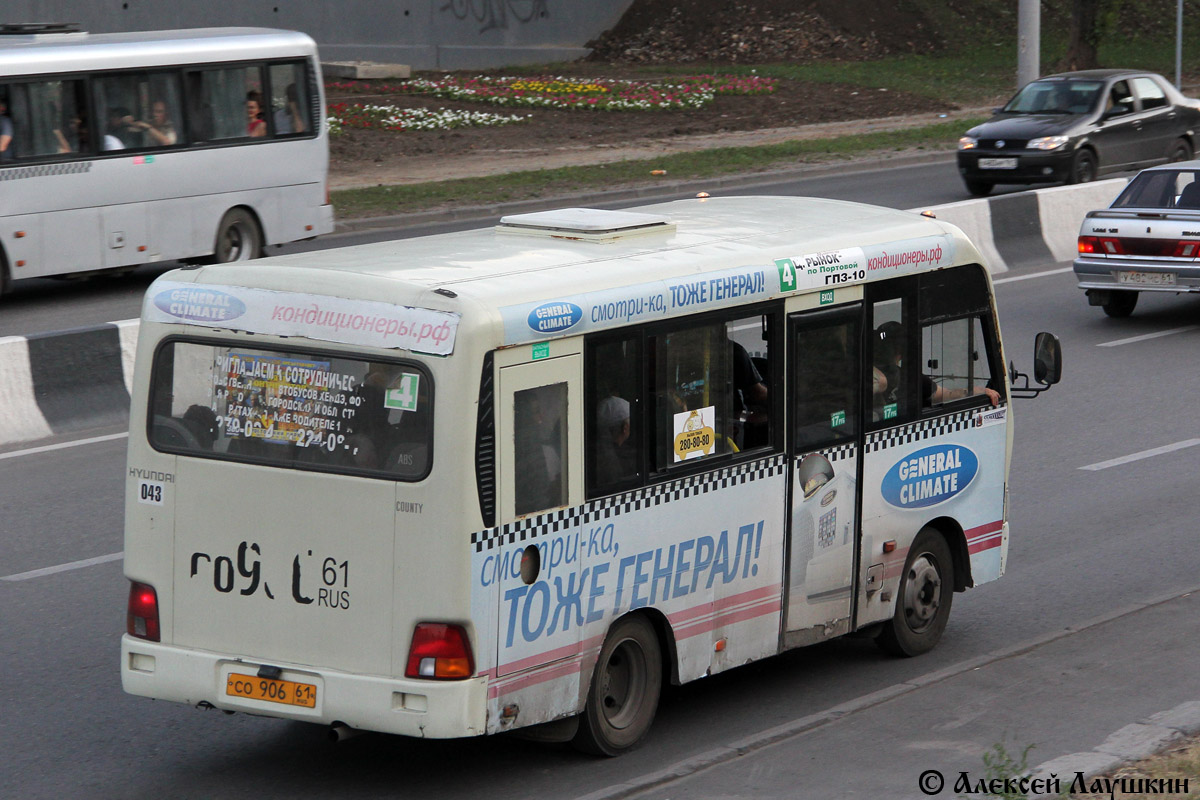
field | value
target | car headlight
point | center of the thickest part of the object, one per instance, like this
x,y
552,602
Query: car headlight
x,y
1048,142
968,143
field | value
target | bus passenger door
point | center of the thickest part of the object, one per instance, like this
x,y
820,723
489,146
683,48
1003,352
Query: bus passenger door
x,y
824,446
540,456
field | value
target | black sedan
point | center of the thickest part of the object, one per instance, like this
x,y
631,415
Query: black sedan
x,y
1076,126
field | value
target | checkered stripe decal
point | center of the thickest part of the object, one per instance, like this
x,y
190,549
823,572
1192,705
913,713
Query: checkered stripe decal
x,y
918,431
835,454
42,170
532,528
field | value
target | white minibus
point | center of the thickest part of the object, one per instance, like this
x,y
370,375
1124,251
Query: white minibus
x,y
528,475
121,149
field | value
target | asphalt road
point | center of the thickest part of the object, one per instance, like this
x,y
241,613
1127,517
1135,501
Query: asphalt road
x,y
37,306
1084,540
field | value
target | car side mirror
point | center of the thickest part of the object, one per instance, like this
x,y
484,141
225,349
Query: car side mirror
x,y
1047,359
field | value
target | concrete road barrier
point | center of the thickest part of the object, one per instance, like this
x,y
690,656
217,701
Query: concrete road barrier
x,y
75,380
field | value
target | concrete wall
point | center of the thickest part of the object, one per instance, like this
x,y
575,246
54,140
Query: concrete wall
x,y
424,34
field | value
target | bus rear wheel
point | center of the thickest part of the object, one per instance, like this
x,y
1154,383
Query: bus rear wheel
x,y
623,696
238,237
923,603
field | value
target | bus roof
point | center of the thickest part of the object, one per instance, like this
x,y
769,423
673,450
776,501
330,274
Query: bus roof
x,y
607,268
55,53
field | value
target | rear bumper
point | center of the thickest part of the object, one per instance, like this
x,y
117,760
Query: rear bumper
x,y
1101,273
1033,166
430,709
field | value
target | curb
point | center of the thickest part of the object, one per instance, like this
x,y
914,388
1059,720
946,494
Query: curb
x,y
40,374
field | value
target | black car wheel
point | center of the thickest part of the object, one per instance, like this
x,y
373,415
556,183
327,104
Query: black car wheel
x,y
979,188
1120,304
1083,167
1180,151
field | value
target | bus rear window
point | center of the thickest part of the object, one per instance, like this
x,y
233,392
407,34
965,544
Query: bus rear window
x,y
292,409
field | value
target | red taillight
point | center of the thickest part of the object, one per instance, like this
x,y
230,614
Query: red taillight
x,y
1088,244
1186,249
142,620
439,651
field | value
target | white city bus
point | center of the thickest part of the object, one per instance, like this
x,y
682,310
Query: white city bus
x,y
475,482
122,149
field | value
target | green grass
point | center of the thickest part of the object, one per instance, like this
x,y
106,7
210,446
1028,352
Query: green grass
x,y
532,184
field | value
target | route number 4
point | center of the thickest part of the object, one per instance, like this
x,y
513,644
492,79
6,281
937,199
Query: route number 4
x,y
787,274
405,397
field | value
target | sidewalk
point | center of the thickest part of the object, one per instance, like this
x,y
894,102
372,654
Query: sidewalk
x,y
1087,699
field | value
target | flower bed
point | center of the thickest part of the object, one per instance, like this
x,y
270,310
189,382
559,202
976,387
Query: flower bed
x,y
390,118
693,91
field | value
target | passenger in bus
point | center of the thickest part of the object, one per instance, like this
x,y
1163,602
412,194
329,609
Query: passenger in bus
x,y
255,125
290,119
160,129
6,132
117,133
751,401
615,456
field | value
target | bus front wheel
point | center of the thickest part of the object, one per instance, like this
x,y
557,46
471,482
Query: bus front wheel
x,y
624,692
238,237
923,602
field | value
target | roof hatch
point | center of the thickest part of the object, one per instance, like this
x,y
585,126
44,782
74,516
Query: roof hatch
x,y
585,224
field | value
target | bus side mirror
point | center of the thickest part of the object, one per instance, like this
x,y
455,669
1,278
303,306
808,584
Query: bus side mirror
x,y
1047,359
1047,367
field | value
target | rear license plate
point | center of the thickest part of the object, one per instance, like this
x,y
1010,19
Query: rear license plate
x,y
997,163
271,690
1147,278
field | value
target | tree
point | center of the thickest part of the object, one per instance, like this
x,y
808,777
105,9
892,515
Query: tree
x,y
1084,35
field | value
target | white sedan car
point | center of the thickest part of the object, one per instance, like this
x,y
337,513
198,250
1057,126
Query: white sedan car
x,y
1148,240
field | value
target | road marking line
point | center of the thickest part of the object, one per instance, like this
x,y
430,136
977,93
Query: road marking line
x,y
1157,451
87,562
1144,337
62,445
999,281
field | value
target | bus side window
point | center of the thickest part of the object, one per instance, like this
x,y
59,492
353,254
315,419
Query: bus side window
x,y
289,100
889,346
954,357
540,445
691,391
614,449
222,100
41,119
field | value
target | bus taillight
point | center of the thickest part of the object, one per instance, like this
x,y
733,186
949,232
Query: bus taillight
x,y
439,651
142,620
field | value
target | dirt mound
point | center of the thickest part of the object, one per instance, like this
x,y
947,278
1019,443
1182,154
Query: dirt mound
x,y
762,31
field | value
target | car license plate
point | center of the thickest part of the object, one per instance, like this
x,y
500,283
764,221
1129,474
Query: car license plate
x,y
1147,278
997,163
272,690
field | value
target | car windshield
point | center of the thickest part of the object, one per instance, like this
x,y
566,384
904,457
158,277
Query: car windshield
x,y
1162,188
1056,97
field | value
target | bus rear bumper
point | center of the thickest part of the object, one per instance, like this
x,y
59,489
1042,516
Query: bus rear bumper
x,y
429,709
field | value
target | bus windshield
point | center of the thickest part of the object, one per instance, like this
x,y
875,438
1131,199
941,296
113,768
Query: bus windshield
x,y
293,409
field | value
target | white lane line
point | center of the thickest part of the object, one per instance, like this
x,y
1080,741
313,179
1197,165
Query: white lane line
x,y
1157,451
87,562
62,445
1144,337
1030,277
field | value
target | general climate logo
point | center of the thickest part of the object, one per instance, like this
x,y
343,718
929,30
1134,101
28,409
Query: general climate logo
x,y
930,476
199,304
554,317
